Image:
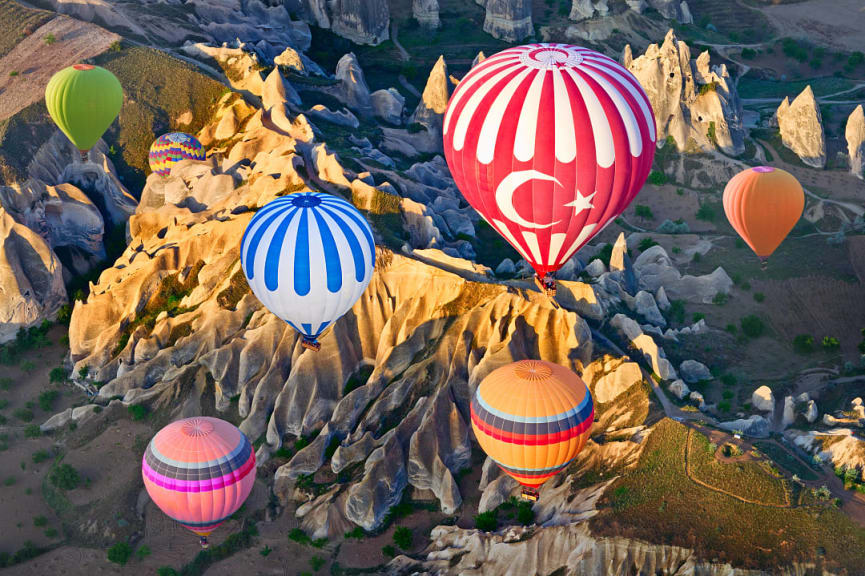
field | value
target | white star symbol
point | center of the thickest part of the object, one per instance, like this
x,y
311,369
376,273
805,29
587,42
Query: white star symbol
x,y
582,202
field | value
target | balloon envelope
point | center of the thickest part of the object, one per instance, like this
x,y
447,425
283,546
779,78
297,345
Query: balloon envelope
x,y
199,471
532,418
550,143
171,148
83,101
763,205
308,257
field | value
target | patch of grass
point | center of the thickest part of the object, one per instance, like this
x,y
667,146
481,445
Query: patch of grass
x,y
158,89
58,375
752,326
665,506
786,461
646,243
803,344
403,537
388,550
47,398
316,563
26,552
357,533
137,412
32,431
24,414
830,343
759,296
487,521
237,288
657,178
706,212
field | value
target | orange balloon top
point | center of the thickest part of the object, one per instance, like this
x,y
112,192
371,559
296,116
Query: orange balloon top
x,y
763,204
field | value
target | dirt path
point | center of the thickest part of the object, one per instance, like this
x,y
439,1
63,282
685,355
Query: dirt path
x,y
394,35
35,61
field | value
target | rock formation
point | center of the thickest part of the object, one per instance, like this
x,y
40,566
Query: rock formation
x,y
655,269
763,399
361,21
855,134
801,126
353,91
426,12
388,105
508,20
434,101
673,10
693,102
585,9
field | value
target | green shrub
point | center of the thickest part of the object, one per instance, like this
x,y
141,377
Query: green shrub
x,y
299,536
525,513
40,521
65,477
803,344
706,213
487,521
831,343
137,412
732,329
58,374
759,296
24,414
727,394
728,379
657,178
643,212
388,550
316,562
28,366
646,243
724,406
166,571
720,299
47,399
403,537
32,431
677,311
749,53
120,553
143,551
752,326
265,552
357,533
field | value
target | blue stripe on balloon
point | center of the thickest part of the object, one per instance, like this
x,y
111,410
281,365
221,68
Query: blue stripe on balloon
x,y
271,262
307,329
356,252
301,256
322,327
256,238
331,254
348,210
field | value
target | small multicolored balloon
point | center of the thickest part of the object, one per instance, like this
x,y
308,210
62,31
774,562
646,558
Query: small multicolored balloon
x,y
308,257
199,471
171,148
532,418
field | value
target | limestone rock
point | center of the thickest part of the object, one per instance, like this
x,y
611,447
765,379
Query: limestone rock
x,y
655,269
509,20
653,353
647,308
789,414
755,426
662,300
697,398
595,268
361,21
620,261
340,118
277,92
497,492
388,105
801,126
291,59
763,399
426,12
811,413
693,372
855,134
506,268
691,102
673,10
679,389
31,278
479,58
354,91
581,10
638,6
615,383
434,101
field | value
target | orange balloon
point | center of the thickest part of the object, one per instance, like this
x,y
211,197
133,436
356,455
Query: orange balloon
x,y
763,205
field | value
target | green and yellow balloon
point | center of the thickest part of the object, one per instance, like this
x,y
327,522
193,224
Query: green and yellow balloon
x,y
83,101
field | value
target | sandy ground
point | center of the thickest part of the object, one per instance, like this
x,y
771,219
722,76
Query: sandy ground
x,y
835,23
35,61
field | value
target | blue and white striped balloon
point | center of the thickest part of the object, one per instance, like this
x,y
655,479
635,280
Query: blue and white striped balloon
x,y
308,257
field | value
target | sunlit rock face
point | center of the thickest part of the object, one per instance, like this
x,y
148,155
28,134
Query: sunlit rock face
x,y
855,134
801,126
509,20
694,103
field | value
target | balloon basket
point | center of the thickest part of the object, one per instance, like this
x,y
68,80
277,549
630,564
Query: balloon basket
x,y
85,157
764,264
530,494
204,543
546,285
313,345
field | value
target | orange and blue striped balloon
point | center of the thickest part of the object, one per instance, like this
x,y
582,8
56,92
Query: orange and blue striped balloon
x,y
199,471
532,418
171,148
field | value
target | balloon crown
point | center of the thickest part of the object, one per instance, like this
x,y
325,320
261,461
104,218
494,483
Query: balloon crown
x,y
305,201
533,370
83,67
764,169
197,427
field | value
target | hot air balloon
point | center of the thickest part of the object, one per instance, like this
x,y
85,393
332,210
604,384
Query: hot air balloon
x,y
532,418
308,257
83,101
199,471
171,148
550,143
763,205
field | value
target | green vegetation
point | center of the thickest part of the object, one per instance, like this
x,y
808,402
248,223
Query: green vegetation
x,y
643,212
388,550
22,134
233,544
706,88
752,326
120,553
658,502
32,431
759,296
794,49
58,375
706,212
357,533
265,552
720,299
64,477
143,551
786,461
26,552
316,563
487,521
657,178
17,23
831,343
47,399
749,53
40,521
803,344
158,89
234,293
24,414
25,340
137,412
677,311
403,537
170,292
646,243
358,379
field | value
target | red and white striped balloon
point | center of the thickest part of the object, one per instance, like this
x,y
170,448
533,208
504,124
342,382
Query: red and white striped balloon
x,y
549,142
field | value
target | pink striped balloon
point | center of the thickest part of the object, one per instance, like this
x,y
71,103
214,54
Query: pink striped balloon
x,y
549,143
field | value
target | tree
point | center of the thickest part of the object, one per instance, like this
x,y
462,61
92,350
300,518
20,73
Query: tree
x,y
643,212
752,326
487,521
65,477
120,553
403,537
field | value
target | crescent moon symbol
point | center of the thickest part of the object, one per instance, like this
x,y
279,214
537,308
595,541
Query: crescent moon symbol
x,y
505,196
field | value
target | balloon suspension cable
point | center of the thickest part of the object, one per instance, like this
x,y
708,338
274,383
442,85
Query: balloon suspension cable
x,y
310,344
84,156
764,264
204,543
530,494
